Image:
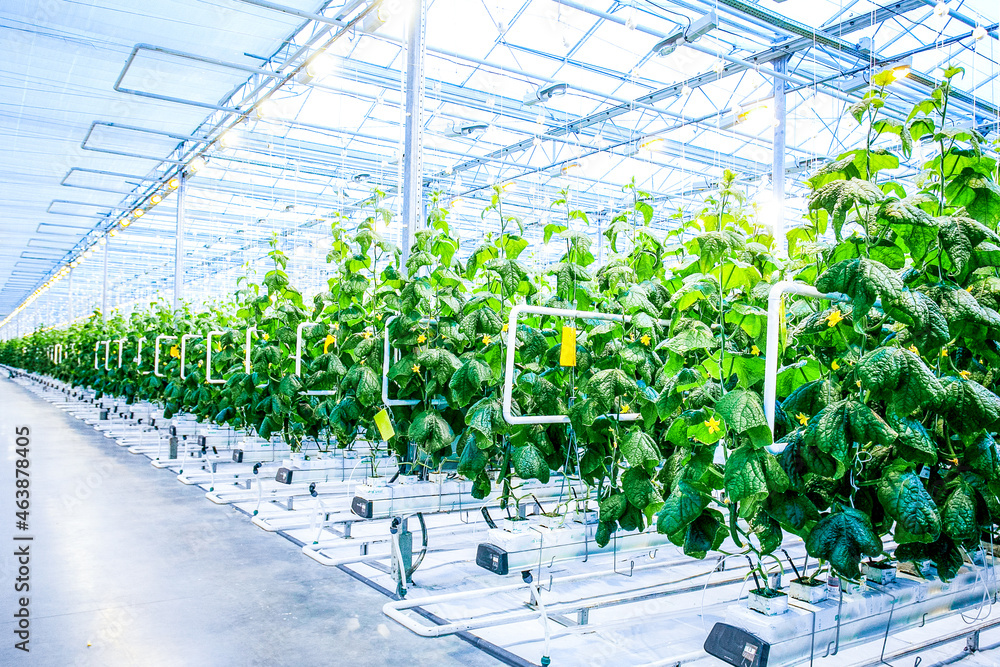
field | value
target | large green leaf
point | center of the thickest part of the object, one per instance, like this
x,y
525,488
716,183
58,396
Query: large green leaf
x,y
900,378
841,425
967,406
469,380
430,431
842,538
925,321
752,473
958,514
639,449
864,281
744,413
839,197
682,506
609,385
704,534
905,499
530,464
640,490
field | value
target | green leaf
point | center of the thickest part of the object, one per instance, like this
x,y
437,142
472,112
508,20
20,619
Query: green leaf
x,y
905,499
696,337
958,514
864,281
983,457
439,363
682,506
704,534
640,449
473,460
640,490
900,378
924,320
944,553
794,511
530,464
469,380
841,425
611,508
839,197
752,473
365,383
430,431
608,386
842,538
744,413
914,442
967,406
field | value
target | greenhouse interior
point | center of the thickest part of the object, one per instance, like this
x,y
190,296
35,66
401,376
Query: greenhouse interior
x,y
500,332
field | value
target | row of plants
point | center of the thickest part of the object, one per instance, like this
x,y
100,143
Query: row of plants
x,y
887,405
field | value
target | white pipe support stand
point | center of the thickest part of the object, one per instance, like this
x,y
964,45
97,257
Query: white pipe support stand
x,y
184,340
107,354
121,345
58,350
508,376
208,357
97,346
387,357
774,301
156,354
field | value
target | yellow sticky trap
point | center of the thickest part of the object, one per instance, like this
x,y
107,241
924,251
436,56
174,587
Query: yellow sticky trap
x,y
567,352
384,424
330,340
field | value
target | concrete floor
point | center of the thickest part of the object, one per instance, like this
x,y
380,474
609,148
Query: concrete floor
x,y
148,572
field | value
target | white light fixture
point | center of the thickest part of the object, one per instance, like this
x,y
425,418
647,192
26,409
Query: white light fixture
x,y
196,165
156,198
978,33
941,9
692,33
266,109
545,92
174,183
466,129
685,90
320,67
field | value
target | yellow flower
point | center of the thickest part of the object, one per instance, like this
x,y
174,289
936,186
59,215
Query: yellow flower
x,y
835,366
755,351
504,328
336,326
645,340
913,349
266,336
631,338
415,368
330,340
378,316
965,374
802,418
714,425
626,409
858,382
366,334
175,351
486,339
421,339
944,353
833,318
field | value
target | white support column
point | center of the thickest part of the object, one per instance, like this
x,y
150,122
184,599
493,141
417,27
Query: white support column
x,y
778,157
413,178
69,292
179,247
104,281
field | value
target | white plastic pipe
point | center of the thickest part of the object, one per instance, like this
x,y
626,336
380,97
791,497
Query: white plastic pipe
x,y
121,344
184,340
208,357
156,354
508,376
774,299
107,354
246,361
97,346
